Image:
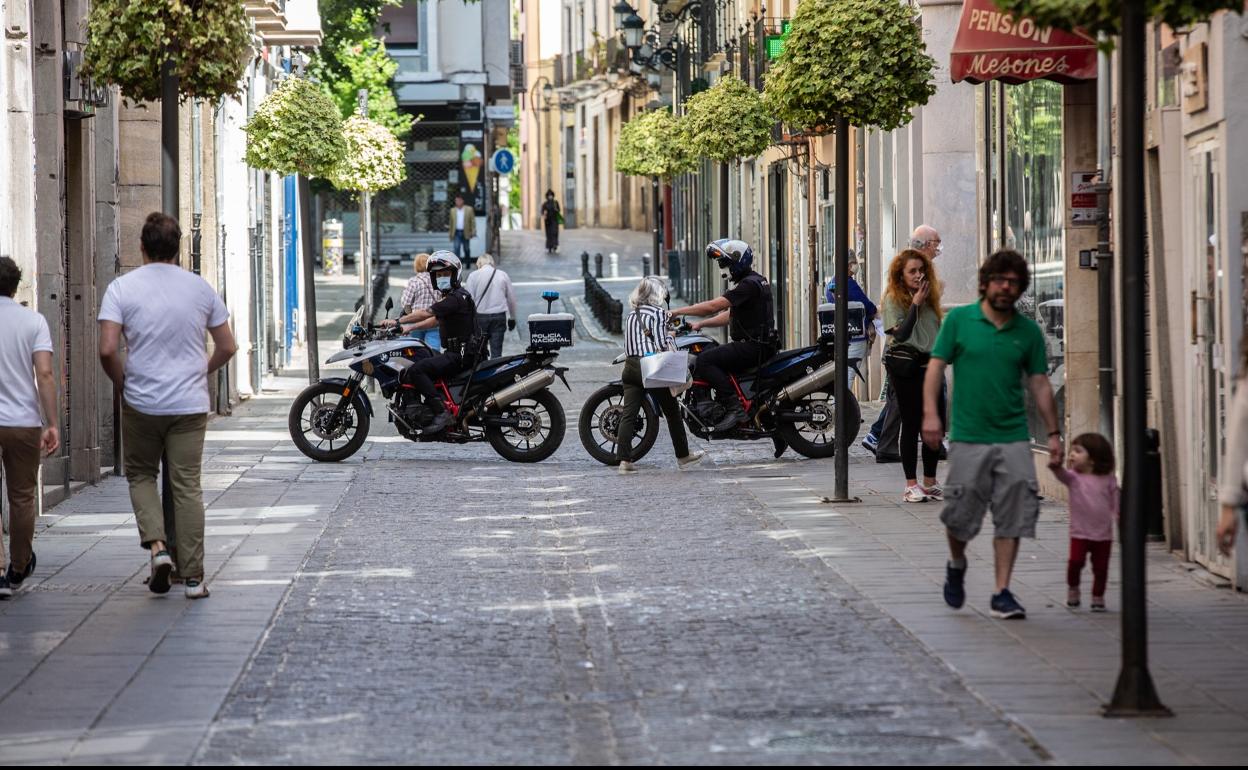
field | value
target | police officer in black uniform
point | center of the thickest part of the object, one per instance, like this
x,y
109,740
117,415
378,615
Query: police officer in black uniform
x,y
747,311
455,316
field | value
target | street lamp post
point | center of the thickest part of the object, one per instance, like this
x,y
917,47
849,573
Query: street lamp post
x,y
547,90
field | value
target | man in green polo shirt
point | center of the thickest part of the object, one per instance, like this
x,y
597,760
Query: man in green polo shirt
x,y
992,350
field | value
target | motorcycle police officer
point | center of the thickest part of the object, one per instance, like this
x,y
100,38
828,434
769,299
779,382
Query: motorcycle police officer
x,y
747,311
455,316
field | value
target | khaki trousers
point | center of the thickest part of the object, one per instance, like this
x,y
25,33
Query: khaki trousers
x,y
19,450
181,437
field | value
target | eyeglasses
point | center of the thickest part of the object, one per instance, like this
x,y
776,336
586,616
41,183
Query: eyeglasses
x,y
1006,280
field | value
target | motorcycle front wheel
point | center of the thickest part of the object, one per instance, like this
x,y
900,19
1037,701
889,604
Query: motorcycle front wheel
x,y
599,425
320,430
815,436
539,432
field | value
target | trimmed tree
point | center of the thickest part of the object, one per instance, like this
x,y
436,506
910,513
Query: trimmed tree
x,y
296,130
374,159
128,42
859,62
652,144
1106,15
728,121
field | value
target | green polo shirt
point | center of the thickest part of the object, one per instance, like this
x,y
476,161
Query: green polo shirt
x,y
989,365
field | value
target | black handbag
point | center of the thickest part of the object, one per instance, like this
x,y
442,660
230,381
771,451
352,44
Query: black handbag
x,y
904,362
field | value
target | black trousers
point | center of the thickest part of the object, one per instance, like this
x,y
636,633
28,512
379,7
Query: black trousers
x,y
633,393
552,233
910,400
421,375
716,364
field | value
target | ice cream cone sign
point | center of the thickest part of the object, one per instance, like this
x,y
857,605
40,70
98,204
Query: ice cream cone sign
x,y
472,160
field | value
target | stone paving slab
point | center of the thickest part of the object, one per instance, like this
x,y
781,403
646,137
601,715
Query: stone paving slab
x,y
1052,672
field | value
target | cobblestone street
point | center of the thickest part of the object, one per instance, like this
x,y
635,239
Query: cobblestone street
x,y
430,603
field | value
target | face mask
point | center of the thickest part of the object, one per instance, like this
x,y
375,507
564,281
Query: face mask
x,y
940,249
444,283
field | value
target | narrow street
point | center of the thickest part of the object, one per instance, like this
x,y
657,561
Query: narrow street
x,y
436,604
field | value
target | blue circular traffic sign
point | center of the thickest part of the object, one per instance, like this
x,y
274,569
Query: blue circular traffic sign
x,y
504,162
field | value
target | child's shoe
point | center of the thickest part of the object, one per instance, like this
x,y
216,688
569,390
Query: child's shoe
x,y
1098,604
1072,597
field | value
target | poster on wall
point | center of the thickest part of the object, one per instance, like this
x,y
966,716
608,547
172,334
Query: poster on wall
x,y
1083,198
472,164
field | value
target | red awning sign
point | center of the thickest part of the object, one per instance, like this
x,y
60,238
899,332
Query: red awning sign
x,y
996,45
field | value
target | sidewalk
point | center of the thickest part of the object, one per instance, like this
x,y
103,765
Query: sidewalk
x,y
1051,673
95,669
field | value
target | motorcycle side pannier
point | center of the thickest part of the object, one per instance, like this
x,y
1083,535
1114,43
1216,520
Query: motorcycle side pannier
x,y
550,330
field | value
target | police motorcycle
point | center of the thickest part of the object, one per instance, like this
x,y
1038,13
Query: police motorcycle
x,y
505,401
789,397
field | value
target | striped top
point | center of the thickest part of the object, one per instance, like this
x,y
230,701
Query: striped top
x,y
645,329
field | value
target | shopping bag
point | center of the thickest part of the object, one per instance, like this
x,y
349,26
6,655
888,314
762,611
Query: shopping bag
x,y
688,383
663,370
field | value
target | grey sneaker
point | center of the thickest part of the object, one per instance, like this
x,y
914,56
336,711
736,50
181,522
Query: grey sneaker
x,y
6,590
627,467
693,458
162,565
196,589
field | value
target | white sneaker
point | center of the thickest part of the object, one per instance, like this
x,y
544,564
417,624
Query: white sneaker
x,y
627,467
693,458
934,492
196,589
914,495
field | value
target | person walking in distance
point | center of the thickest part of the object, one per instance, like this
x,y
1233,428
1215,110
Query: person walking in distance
x,y
552,217
163,312
1094,501
884,431
463,228
492,291
912,319
991,348
645,334
27,383
419,295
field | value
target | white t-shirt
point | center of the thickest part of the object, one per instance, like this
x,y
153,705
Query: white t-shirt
x,y
23,332
459,218
164,312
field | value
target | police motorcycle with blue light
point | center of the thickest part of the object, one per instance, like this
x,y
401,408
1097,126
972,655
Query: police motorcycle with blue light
x,y
746,389
456,396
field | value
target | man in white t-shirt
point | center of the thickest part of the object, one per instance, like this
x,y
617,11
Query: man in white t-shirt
x,y
491,289
163,311
26,383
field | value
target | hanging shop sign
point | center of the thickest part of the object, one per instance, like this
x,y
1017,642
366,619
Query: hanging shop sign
x,y
995,45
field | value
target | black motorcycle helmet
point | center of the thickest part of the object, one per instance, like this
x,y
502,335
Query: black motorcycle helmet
x,y
441,263
734,257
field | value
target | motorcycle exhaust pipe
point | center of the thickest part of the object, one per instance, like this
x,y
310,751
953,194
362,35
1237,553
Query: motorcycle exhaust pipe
x,y
529,385
810,383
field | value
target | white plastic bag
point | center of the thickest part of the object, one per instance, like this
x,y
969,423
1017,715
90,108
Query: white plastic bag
x,y
666,369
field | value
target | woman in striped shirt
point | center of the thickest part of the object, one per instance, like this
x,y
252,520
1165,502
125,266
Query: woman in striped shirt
x,y
645,333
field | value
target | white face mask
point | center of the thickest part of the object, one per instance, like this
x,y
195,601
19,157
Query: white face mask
x,y
444,283
940,249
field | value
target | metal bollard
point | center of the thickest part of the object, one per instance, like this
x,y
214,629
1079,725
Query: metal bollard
x,y
645,263
584,263
598,265
615,265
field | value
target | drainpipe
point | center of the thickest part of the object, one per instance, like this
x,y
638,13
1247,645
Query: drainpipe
x,y
1104,244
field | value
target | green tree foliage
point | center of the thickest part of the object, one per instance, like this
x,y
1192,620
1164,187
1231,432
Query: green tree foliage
x,y
727,122
351,57
1095,16
863,60
128,42
296,130
373,160
653,144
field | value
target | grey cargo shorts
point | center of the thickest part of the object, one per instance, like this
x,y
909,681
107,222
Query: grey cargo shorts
x,y
1000,476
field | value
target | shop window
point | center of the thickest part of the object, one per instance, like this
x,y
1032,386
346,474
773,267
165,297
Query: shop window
x,y
1029,207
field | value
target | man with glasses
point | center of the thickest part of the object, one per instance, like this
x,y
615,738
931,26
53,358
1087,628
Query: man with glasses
x,y
881,440
992,348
